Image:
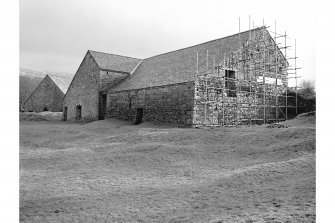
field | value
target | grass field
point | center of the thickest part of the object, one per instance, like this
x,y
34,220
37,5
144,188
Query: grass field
x,y
111,171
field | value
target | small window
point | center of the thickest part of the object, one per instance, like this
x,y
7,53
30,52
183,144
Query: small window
x,y
45,109
78,112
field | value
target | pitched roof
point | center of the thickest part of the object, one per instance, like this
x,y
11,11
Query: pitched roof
x,y
62,82
114,62
180,66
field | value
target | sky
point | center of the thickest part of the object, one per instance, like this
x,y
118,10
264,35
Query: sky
x,y
55,34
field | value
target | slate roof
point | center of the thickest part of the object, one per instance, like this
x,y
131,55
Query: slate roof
x,y
62,82
113,62
180,66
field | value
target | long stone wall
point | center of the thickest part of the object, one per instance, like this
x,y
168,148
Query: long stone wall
x,y
245,108
170,103
84,91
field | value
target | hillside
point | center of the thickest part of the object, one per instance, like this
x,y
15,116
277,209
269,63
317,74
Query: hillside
x,y
26,86
25,72
112,171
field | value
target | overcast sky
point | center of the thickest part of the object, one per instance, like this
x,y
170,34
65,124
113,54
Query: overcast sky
x,y
55,34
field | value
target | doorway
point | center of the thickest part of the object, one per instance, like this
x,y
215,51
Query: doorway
x,y
78,112
139,116
102,106
65,114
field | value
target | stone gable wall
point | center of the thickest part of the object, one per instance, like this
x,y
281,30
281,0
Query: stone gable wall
x,y
216,105
171,103
47,95
84,91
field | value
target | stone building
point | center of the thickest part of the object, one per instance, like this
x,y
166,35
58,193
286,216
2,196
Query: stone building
x,y
169,88
86,96
48,95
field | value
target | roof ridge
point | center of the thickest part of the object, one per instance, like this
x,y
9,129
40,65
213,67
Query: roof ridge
x,y
63,83
54,75
57,84
180,48
204,42
136,67
114,54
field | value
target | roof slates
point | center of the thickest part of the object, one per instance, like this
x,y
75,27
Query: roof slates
x,y
180,66
115,63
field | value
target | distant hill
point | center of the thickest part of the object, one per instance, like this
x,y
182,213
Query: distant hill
x,y
41,74
30,79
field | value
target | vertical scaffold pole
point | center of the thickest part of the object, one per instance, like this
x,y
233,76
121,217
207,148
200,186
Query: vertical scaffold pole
x,y
249,27
237,88
214,92
250,95
264,71
295,72
206,90
239,30
249,69
286,75
253,28
240,45
196,81
224,87
276,73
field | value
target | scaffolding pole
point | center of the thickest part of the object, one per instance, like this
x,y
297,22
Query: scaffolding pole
x,y
196,84
295,74
276,61
264,72
286,79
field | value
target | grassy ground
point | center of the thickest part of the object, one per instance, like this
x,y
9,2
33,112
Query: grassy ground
x,y
111,171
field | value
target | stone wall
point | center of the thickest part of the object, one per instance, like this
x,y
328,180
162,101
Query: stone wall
x,y
47,96
84,91
216,107
170,103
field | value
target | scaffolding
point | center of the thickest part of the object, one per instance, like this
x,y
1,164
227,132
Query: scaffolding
x,y
247,86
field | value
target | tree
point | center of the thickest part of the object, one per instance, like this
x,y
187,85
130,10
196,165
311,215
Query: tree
x,y
307,89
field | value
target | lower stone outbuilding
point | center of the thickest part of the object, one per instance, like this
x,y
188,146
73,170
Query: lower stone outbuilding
x,y
48,95
169,103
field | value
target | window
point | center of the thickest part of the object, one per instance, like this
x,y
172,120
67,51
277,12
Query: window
x,y
230,83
